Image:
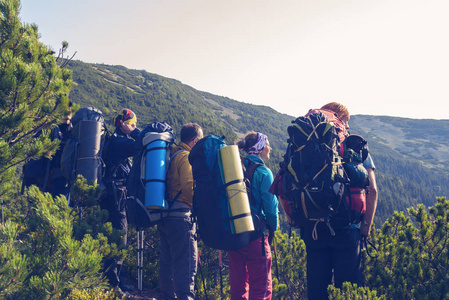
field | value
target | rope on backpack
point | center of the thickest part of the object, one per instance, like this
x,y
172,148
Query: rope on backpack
x,y
365,242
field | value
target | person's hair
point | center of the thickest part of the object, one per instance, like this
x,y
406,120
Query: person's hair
x,y
189,132
338,108
248,141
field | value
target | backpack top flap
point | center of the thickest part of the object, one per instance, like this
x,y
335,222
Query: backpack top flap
x,y
203,156
334,120
87,114
154,136
149,133
358,144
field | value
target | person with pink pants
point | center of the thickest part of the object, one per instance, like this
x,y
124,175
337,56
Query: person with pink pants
x,y
250,267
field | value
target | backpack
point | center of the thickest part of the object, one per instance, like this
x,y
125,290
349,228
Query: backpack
x,y
355,151
147,178
312,182
82,152
36,171
211,201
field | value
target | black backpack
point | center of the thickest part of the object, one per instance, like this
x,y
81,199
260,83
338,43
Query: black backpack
x,y
210,201
314,181
136,212
82,153
354,151
43,172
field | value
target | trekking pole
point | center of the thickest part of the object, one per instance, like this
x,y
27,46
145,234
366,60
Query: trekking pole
x,y
202,276
220,264
47,175
140,239
275,257
3,217
138,259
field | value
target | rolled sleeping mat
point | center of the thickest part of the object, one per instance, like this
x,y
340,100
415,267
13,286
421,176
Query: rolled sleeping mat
x,y
88,167
89,146
155,171
90,133
231,169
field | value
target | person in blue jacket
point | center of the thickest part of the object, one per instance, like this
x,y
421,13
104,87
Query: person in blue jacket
x,y
250,267
118,153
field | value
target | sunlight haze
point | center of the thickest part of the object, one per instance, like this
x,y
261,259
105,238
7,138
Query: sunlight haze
x,y
383,57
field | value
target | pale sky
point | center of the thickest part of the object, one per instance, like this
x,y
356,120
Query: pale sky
x,y
378,57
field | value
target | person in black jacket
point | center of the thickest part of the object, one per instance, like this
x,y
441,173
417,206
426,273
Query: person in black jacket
x,y
118,152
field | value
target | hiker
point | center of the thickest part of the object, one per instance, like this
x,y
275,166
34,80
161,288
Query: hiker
x,y
250,267
118,153
46,173
337,258
178,247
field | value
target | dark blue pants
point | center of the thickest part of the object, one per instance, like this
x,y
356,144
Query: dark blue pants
x,y
115,204
332,259
178,258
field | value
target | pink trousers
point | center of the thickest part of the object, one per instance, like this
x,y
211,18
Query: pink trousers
x,y
250,271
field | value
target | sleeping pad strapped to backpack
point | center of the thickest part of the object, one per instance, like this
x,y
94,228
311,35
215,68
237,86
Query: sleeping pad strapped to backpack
x,y
211,204
312,182
147,202
82,152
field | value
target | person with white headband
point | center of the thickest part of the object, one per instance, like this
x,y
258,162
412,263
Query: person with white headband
x,y
250,267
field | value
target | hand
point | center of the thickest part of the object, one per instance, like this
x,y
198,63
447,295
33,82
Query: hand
x,y
127,129
364,228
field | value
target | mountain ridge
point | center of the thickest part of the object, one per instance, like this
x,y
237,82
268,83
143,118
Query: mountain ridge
x,y
411,155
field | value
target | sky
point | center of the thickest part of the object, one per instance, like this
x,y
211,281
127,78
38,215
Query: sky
x,y
377,57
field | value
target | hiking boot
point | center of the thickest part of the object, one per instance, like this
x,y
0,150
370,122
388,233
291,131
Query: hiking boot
x,y
121,294
126,287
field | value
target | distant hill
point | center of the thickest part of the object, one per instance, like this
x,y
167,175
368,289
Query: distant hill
x,y
424,140
411,156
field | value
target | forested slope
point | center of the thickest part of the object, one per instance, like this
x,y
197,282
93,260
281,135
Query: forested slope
x,y
410,155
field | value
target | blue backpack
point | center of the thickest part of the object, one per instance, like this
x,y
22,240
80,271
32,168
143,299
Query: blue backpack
x,y
210,203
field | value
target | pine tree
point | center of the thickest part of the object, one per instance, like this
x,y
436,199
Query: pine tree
x,y
411,260
33,92
46,250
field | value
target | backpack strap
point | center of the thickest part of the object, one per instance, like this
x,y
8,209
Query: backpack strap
x,y
171,201
176,153
260,227
249,175
171,159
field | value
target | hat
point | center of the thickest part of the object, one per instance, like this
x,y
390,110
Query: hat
x,y
126,116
